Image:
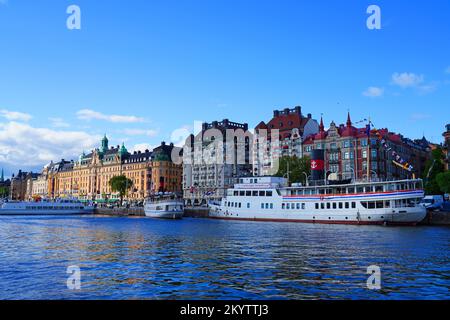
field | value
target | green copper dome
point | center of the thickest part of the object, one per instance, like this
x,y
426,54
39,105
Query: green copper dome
x,y
123,151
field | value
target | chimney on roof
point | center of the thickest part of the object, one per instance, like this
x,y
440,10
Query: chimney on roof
x,y
225,122
146,151
171,144
309,115
298,110
286,110
276,113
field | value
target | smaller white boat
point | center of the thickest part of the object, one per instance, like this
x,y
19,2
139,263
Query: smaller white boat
x,y
45,207
164,207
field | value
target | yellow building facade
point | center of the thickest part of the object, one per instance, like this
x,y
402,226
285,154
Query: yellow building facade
x,y
88,177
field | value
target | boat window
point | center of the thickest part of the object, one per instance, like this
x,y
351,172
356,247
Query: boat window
x,y
254,193
317,206
364,204
340,205
248,205
378,188
236,193
268,193
387,204
262,193
241,193
347,205
353,205
334,205
328,205
359,190
292,207
248,193
298,206
351,190
379,204
267,206
288,206
322,206
371,205
271,206
321,191
283,206
329,191
303,206
239,204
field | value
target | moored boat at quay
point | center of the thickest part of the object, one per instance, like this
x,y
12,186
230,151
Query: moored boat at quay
x,y
271,199
165,206
45,207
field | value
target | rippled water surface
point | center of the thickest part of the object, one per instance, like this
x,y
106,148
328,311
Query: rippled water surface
x,y
141,258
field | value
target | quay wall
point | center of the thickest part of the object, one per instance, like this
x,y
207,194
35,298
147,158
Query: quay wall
x,y
196,212
437,218
120,211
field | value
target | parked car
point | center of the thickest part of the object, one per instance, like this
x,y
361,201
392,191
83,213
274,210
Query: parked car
x,y
433,202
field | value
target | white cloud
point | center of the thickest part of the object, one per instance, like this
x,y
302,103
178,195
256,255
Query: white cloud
x,y
419,116
24,145
58,123
141,132
178,136
142,147
88,114
14,115
373,92
407,80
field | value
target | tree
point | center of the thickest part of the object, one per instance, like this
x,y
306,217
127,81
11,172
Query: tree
x,y
443,181
120,184
298,167
433,167
4,192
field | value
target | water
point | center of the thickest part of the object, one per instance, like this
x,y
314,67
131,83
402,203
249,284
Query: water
x,y
142,258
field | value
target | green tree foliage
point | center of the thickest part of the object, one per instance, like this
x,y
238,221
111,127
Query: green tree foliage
x,y
433,167
4,192
120,184
443,181
297,168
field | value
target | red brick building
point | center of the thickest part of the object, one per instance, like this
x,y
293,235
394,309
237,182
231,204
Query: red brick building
x,y
292,128
357,152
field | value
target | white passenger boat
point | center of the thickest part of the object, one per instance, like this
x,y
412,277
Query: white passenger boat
x,y
270,199
164,207
57,207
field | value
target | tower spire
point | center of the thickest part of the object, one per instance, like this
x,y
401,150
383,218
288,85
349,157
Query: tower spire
x,y
2,176
321,127
349,121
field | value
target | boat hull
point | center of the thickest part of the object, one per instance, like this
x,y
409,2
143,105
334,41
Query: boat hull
x,y
405,216
170,209
164,215
44,213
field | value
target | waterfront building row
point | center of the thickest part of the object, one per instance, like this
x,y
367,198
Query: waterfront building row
x,y
88,177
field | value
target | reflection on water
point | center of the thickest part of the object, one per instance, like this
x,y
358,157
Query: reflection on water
x,y
140,258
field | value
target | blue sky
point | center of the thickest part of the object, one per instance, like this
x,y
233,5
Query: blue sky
x,y
140,69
